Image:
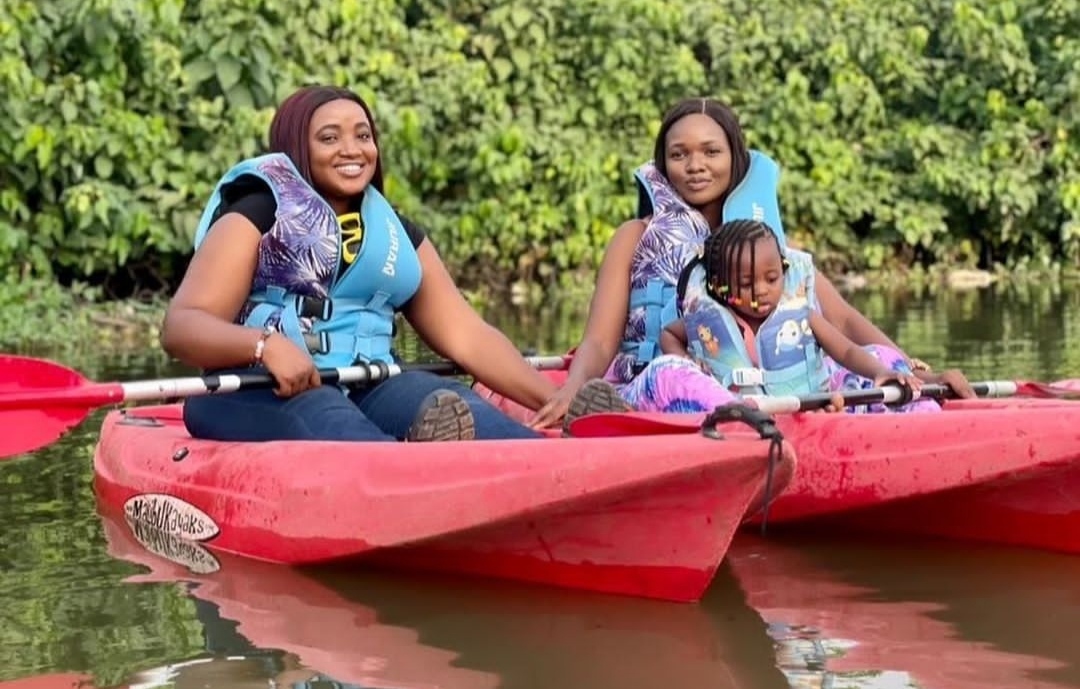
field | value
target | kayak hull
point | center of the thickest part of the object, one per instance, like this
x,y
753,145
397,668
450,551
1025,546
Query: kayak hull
x,y
633,516
1001,474
997,471
1036,506
855,461
1003,471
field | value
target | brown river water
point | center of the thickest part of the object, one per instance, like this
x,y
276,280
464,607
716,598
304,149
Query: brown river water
x,y
85,604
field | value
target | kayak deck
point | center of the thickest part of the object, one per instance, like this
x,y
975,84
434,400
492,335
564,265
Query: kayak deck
x,y
649,517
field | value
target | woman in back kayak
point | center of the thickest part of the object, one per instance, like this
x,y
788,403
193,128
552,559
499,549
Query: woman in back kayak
x,y
701,175
301,264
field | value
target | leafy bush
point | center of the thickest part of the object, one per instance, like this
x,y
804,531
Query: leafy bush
x,y
910,131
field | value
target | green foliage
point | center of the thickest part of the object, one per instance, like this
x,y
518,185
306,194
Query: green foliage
x,y
926,131
40,318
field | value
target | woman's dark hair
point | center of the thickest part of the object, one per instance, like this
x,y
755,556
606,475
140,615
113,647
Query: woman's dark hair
x,y
289,128
723,116
723,254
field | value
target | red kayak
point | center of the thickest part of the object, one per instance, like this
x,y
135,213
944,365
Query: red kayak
x,y
412,631
1003,471
648,517
997,470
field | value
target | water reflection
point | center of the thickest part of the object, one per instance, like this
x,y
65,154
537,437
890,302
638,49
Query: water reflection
x,y
1010,331
60,607
386,630
924,614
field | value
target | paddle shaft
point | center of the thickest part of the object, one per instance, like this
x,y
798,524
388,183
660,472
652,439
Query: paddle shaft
x,y
889,394
100,394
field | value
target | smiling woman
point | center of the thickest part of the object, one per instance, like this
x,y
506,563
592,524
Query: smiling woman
x,y
301,264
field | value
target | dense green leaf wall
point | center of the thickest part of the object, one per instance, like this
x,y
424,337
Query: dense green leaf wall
x,y
931,130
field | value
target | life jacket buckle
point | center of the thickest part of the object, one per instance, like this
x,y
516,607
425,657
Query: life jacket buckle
x,y
314,307
317,343
747,377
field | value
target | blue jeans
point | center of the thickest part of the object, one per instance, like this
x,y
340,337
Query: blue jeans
x,y
383,412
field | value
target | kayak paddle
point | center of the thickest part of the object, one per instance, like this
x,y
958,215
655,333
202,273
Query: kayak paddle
x,y
40,399
606,424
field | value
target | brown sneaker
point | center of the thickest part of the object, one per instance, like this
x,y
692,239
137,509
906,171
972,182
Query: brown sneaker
x,y
442,416
595,396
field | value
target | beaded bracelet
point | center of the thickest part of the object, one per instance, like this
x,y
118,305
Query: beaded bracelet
x,y
261,344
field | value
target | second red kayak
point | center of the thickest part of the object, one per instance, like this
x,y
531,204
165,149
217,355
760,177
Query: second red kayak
x,y
995,470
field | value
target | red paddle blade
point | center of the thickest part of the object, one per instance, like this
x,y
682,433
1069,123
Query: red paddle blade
x,y
24,428
23,373
1061,390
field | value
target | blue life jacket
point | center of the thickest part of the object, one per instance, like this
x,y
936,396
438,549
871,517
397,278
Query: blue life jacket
x,y
340,316
790,361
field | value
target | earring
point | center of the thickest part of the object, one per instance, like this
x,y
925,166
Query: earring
x,y
736,301
754,304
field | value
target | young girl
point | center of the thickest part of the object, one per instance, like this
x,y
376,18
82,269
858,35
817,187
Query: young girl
x,y
749,316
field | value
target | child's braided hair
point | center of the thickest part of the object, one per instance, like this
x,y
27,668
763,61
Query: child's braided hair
x,y
723,254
